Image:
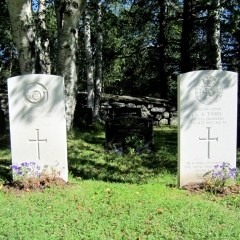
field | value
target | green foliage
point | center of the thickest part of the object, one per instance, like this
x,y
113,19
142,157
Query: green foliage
x,y
141,44
134,143
8,57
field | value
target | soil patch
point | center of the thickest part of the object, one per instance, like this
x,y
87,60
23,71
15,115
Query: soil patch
x,y
199,188
34,184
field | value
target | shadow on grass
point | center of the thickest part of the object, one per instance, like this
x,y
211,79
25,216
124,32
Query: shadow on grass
x,y
89,159
5,173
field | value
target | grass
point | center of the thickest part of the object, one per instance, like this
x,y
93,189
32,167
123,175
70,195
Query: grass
x,y
88,159
117,197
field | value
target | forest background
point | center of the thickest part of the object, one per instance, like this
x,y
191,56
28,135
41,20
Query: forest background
x,y
126,47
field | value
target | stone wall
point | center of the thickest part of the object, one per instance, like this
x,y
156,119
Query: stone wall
x,y
161,111
4,104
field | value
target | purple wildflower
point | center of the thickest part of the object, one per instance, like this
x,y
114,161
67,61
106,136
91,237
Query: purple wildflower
x,y
24,164
214,174
14,167
117,150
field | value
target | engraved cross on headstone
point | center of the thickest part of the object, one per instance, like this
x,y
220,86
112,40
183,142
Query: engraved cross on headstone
x,y
113,114
38,141
208,139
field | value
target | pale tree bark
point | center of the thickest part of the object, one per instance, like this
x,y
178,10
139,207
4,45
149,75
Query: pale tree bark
x,y
24,33
89,62
68,14
42,40
214,60
98,80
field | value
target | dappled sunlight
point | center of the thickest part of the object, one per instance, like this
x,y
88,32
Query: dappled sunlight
x,y
89,159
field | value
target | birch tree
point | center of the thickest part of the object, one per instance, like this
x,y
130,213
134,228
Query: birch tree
x,y
43,40
68,14
89,62
24,33
98,81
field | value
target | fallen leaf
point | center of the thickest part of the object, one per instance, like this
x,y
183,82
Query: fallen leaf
x,y
148,222
159,211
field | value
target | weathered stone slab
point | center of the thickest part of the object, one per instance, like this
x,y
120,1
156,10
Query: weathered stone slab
x,y
37,121
207,108
118,104
158,109
117,129
163,121
124,112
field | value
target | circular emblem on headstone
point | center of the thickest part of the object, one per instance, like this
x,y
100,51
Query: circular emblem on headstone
x,y
35,95
209,90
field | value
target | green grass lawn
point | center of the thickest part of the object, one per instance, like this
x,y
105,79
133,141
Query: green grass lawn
x,y
116,197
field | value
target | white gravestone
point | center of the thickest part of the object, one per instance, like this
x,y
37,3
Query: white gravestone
x,y
207,134
37,121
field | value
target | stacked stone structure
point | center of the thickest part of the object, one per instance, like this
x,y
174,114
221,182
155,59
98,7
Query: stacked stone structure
x,y
160,110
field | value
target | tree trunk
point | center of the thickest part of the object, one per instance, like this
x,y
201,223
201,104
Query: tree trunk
x,y
89,62
24,33
213,37
42,40
186,41
98,81
68,15
162,50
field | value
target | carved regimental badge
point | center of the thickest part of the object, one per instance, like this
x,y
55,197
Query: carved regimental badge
x,y
35,95
209,90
